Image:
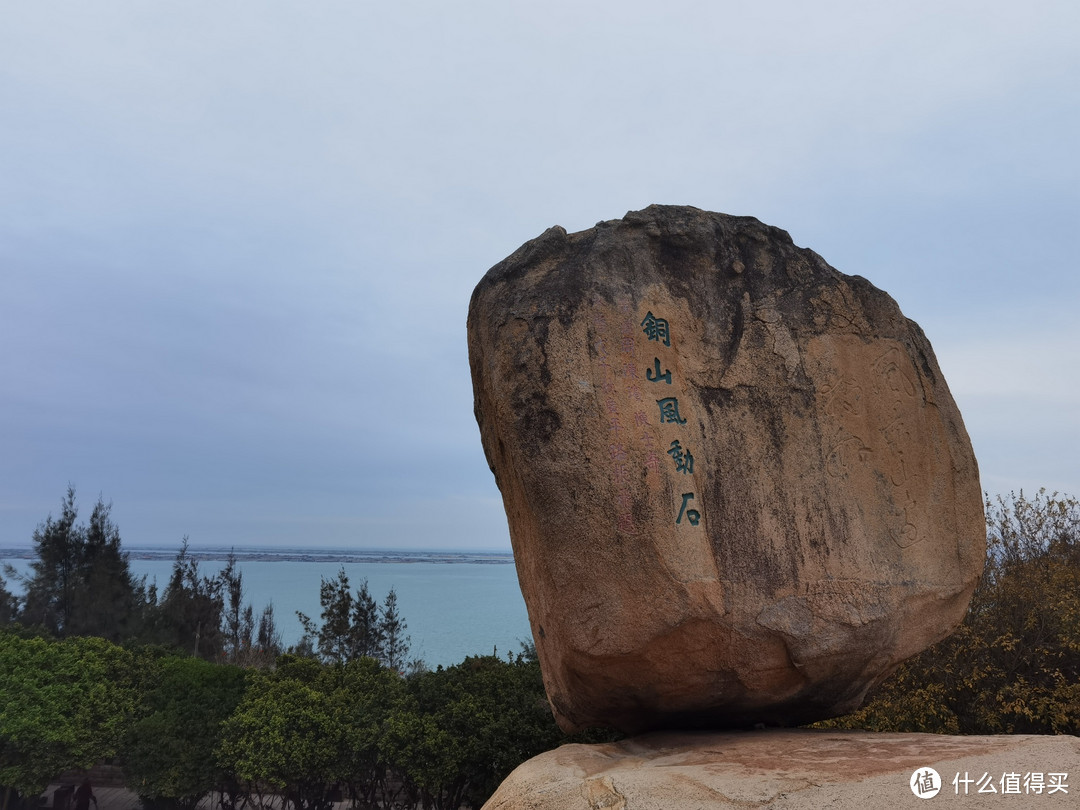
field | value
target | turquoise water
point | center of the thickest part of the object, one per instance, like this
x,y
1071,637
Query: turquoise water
x,y
454,605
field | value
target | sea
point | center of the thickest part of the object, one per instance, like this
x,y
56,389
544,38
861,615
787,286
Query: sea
x,y
455,603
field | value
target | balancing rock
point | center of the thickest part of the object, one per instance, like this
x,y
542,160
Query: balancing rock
x,y
739,491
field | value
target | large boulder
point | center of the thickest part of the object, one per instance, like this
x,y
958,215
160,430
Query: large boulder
x,y
738,488
797,770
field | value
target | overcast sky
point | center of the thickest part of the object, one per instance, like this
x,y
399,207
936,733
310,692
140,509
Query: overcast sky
x,y
237,240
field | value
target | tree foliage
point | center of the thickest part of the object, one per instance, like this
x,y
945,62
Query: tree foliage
x,y
1013,666
81,583
9,605
63,705
308,727
189,615
395,643
309,731
468,727
434,740
353,626
286,734
169,748
246,642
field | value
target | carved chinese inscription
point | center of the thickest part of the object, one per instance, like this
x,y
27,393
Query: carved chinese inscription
x,y
658,329
692,515
684,460
669,411
654,374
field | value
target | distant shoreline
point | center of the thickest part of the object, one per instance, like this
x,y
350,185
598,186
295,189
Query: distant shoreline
x,y
303,555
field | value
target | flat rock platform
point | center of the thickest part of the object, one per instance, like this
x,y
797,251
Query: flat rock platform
x,y
795,769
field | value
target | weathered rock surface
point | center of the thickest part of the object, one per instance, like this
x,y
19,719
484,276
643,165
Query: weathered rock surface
x,y
795,770
738,488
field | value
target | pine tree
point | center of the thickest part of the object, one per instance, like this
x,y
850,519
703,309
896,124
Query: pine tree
x,y
9,605
189,615
395,649
351,625
334,637
236,632
81,583
367,630
107,601
50,590
267,638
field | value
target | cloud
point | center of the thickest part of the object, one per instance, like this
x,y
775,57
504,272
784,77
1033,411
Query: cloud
x,y
238,242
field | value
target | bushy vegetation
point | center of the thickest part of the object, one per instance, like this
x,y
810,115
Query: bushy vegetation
x,y
193,696
311,732
169,747
63,704
1013,667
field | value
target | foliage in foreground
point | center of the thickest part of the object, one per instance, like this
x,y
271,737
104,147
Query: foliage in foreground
x,y
1013,666
169,746
434,740
311,732
63,704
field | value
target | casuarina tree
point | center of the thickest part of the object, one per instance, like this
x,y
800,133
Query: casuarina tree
x,y
351,626
81,583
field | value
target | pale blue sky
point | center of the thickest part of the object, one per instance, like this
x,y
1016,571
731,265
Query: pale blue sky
x,y
237,240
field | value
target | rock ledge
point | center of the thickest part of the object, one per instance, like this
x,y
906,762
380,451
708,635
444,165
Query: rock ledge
x,y
790,769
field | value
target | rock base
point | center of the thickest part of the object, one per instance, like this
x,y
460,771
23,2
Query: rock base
x,y
795,769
